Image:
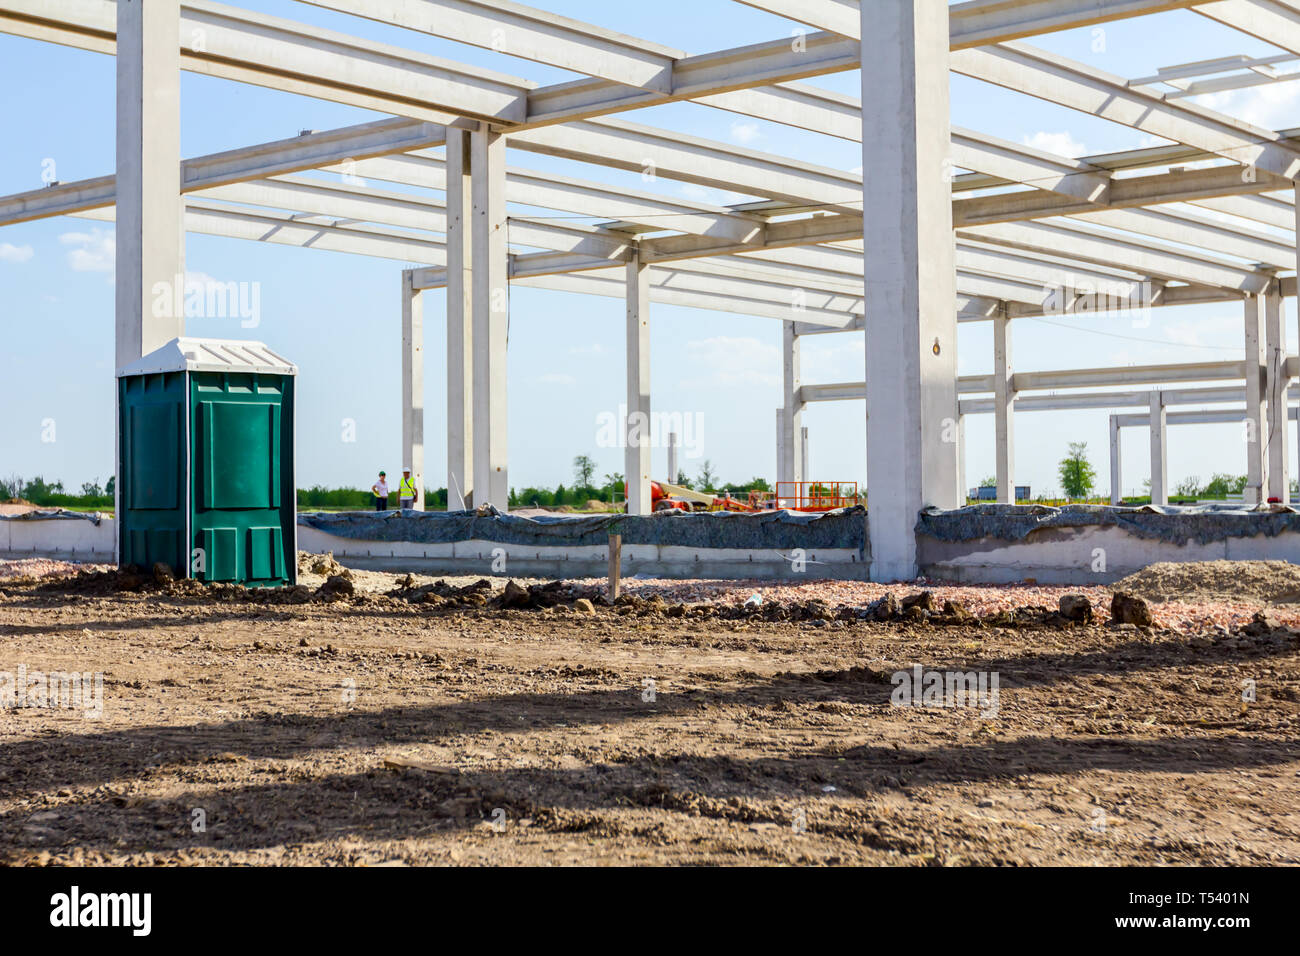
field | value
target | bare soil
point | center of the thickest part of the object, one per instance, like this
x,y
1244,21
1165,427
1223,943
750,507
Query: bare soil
x,y
429,726
1255,582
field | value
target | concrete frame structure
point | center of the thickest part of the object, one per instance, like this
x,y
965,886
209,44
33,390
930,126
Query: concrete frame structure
x,y
1159,438
965,227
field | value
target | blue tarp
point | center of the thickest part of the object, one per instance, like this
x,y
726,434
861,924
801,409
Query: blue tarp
x,y
94,517
845,528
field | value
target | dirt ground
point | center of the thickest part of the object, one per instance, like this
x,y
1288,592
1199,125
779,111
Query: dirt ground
x,y
1262,582
430,726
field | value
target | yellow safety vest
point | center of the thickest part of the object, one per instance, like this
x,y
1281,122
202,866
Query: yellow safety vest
x,y
407,489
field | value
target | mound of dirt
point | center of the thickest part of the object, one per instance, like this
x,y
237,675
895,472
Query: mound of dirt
x,y
322,565
1255,582
32,569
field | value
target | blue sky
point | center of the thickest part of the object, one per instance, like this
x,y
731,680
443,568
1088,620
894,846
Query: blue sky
x,y
339,316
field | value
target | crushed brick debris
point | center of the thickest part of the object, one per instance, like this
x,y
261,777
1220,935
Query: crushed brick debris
x,y
981,600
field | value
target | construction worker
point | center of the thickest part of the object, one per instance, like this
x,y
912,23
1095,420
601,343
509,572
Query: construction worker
x,y
380,490
406,490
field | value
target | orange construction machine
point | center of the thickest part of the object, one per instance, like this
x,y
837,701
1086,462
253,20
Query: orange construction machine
x,y
791,495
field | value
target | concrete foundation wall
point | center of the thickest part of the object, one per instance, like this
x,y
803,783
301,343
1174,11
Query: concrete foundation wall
x,y
1065,556
1083,556
668,561
69,539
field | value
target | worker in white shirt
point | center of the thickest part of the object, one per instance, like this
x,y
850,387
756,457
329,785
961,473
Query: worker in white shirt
x,y
406,490
380,490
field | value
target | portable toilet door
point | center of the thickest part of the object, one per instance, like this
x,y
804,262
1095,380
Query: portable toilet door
x,y
232,449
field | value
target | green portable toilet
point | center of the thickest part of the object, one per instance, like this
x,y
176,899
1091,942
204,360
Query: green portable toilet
x,y
205,462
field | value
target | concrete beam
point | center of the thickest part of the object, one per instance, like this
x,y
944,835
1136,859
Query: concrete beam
x,y
286,229
1080,400
248,47
708,74
1130,375
974,384
1273,21
527,33
1222,417
836,16
1200,231
1050,77
623,145
349,147
979,22
671,288
1089,244
1200,186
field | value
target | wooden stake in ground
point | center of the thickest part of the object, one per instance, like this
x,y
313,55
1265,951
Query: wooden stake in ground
x,y
615,566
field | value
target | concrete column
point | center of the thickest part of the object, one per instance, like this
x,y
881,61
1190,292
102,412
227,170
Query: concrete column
x,y
1004,407
961,460
1159,450
491,310
802,463
911,326
1279,465
1255,425
460,334
150,286
672,458
780,456
636,444
1116,464
413,384
790,467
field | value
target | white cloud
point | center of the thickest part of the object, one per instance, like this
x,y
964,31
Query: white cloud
x,y
731,361
745,133
1272,106
595,348
827,361
94,251
557,378
1062,144
12,253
